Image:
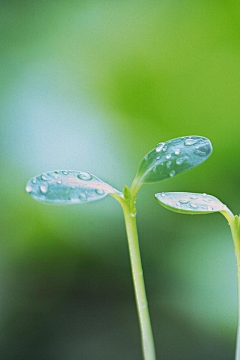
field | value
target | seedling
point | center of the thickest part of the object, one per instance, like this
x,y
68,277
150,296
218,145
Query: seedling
x,y
193,203
76,187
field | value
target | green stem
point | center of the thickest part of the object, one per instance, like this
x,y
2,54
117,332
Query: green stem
x,y
235,229
138,281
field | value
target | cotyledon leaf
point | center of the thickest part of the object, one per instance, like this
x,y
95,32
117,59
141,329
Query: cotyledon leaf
x,y
173,157
190,203
68,187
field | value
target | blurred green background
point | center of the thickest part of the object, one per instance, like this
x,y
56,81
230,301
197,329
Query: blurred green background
x,y
94,86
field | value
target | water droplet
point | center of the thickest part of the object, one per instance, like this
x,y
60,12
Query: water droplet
x,y
193,197
210,208
204,194
85,176
178,204
184,201
159,147
146,157
190,141
164,148
168,156
169,164
199,152
59,181
44,177
43,189
82,196
177,152
100,191
181,160
56,172
158,157
34,181
134,213
193,205
172,173
28,188
65,172
163,195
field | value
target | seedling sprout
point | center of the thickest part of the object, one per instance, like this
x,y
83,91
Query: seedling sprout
x,y
165,161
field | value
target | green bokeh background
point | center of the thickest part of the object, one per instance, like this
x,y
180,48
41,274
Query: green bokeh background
x,y
94,86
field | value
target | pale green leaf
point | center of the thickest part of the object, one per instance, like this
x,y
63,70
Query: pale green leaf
x,y
68,187
190,203
173,158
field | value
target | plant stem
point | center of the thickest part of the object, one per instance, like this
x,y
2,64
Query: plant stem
x,y
138,281
235,229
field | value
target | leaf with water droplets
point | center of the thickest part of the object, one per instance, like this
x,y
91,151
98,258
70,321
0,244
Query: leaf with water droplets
x,y
190,203
172,158
68,187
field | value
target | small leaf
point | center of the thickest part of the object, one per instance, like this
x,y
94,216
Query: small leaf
x,y
68,187
172,158
190,203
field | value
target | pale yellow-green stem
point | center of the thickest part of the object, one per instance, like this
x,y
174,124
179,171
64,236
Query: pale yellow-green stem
x,y
129,211
234,222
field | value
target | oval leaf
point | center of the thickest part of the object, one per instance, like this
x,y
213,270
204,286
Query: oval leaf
x,y
190,203
68,187
172,158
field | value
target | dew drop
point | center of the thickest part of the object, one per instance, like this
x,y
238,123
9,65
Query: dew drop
x,y
34,181
133,213
181,160
44,177
204,194
199,152
85,176
168,156
43,189
193,197
158,157
172,173
190,141
28,188
59,181
163,195
56,172
177,152
100,191
178,204
164,148
193,205
184,201
146,157
210,208
65,172
82,197
159,147
168,164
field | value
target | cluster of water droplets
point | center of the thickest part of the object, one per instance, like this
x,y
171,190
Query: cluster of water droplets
x,y
67,187
176,155
191,202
